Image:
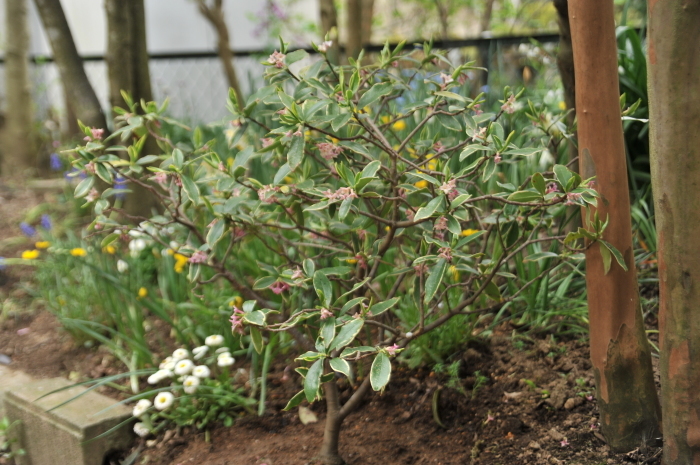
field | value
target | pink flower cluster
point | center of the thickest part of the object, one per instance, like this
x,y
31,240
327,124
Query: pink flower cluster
x,y
236,322
551,187
96,134
509,106
446,79
279,287
440,224
325,313
450,189
323,48
264,194
267,141
161,177
329,151
341,194
198,257
446,253
277,59
572,198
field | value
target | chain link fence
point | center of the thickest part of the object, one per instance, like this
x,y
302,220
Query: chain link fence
x,y
196,84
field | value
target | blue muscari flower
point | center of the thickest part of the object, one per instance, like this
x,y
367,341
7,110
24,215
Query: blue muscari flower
x,y
46,222
485,89
2,263
26,229
55,162
120,185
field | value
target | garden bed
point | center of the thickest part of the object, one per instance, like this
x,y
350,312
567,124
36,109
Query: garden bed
x,y
531,407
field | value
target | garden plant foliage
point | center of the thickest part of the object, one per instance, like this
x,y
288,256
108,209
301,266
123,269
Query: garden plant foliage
x,y
343,200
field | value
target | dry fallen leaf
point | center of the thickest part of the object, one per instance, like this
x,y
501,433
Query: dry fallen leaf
x,y
307,416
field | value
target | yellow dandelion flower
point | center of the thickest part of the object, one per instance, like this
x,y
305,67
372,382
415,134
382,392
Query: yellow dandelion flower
x,y
78,252
385,119
351,261
454,272
422,184
236,301
180,262
400,125
143,292
42,244
110,249
562,105
469,232
30,254
334,140
387,228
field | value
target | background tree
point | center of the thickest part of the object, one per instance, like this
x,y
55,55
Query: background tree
x,y
127,54
329,27
79,92
214,13
353,43
18,156
629,407
674,104
128,70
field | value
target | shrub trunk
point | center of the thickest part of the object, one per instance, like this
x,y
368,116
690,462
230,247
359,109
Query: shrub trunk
x,y
629,407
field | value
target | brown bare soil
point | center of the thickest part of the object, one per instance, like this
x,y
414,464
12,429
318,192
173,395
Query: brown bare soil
x,y
530,402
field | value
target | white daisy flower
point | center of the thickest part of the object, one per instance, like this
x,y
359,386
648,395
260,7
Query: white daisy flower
x,y
122,266
136,246
201,371
199,352
164,400
180,354
141,407
224,354
183,367
191,384
214,340
225,361
165,363
141,429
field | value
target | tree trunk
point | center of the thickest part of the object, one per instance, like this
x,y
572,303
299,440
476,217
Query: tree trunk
x,y
127,53
215,15
354,28
329,28
18,157
674,104
367,15
127,69
484,51
79,91
629,407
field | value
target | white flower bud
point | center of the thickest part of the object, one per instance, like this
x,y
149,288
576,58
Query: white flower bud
x,y
141,429
122,266
141,407
180,354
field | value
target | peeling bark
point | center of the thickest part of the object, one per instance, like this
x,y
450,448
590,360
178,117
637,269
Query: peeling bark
x,y
620,352
674,114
